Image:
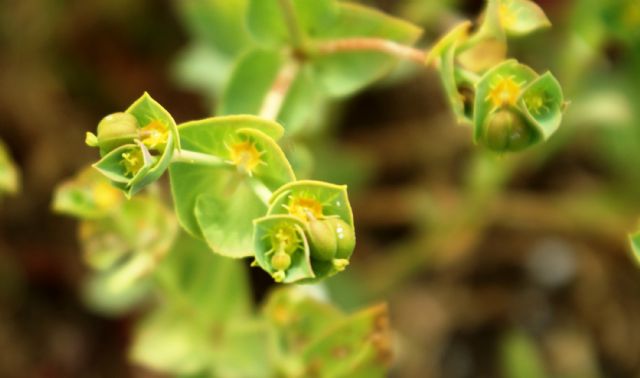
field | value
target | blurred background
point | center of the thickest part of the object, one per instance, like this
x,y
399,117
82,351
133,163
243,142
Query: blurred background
x,y
492,266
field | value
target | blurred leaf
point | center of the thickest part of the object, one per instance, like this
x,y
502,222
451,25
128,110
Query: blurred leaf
x,y
358,346
167,341
218,23
212,288
268,21
88,195
343,73
520,357
520,17
9,176
203,69
258,68
101,296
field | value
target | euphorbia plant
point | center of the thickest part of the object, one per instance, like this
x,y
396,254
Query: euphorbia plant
x,y
232,184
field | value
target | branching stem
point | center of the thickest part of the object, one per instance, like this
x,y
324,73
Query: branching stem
x,y
192,157
370,44
274,99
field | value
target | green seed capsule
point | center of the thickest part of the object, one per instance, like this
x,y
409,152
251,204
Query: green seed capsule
x,y
506,130
322,240
281,261
115,130
346,238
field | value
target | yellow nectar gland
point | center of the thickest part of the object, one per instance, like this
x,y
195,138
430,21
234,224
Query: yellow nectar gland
x,y
285,239
505,92
508,17
245,156
302,207
154,135
132,162
536,104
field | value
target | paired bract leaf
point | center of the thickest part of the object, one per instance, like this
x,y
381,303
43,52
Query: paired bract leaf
x,y
219,203
136,151
309,225
543,101
266,230
343,73
443,54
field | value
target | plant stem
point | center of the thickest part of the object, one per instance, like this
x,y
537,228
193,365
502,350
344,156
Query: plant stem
x,y
370,44
192,157
274,99
260,189
297,38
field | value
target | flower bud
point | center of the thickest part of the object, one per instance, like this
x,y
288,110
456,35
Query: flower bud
x,y
506,130
322,240
346,238
116,130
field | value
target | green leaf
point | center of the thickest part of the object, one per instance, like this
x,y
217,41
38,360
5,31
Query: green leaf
x,y
212,288
219,203
269,21
218,23
347,72
510,75
88,195
101,296
251,79
359,345
520,17
9,176
265,229
261,68
542,101
167,341
298,317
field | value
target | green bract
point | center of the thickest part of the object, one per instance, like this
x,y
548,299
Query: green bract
x,y
136,146
311,221
515,107
219,201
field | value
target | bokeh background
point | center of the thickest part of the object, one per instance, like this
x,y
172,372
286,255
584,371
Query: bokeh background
x,y
492,266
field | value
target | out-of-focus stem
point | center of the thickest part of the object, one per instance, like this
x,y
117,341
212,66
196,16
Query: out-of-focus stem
x,y
272,103
370,44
